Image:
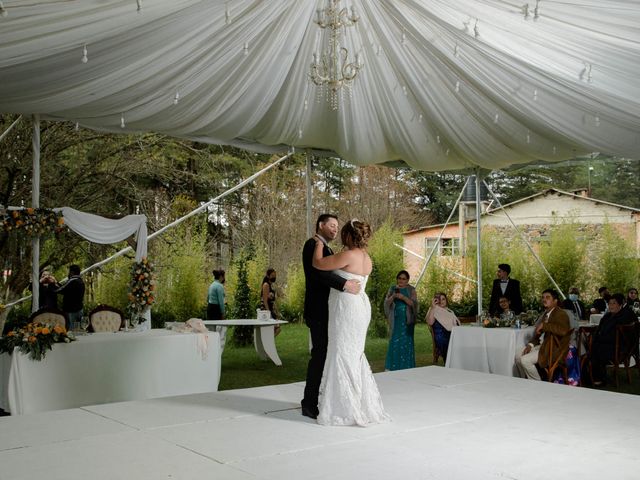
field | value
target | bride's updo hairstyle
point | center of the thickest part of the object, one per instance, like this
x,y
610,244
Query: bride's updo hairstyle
x,y
355,234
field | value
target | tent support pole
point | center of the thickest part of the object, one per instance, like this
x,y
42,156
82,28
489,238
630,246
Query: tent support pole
x,y
309,185
435,247
478,244
6,132
35,203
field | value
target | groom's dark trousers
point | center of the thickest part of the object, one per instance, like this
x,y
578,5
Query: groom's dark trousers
x,y
316,316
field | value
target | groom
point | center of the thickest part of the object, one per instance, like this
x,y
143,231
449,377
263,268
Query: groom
x,y
316,307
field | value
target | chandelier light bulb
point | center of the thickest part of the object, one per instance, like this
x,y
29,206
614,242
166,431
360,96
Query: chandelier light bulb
x,y
176,98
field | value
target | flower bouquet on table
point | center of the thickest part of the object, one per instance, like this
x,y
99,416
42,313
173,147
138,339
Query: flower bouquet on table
x,y
141,289
34,339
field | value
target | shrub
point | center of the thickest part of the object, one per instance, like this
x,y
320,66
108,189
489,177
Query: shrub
x,y
243,307
292,303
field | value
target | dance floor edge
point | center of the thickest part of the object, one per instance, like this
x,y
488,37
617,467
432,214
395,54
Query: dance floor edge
x,y
447,424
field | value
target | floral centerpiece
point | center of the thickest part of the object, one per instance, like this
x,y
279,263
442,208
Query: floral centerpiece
x,y
141,288
34,339
33,221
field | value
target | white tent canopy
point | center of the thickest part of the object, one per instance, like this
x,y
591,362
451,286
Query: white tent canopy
x,y
444,85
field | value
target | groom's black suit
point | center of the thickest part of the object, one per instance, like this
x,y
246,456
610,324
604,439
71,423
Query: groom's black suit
x,y
316,316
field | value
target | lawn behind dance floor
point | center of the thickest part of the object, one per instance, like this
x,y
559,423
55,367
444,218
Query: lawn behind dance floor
x,y
242,368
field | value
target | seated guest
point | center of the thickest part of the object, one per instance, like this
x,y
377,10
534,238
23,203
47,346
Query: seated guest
x,y
505,312
574,304
600,304
632,299
554,322
604,338
504,286
442,319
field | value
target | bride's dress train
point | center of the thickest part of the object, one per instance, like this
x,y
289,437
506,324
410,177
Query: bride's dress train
x,y
348,392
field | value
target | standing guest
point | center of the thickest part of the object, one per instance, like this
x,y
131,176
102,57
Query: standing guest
x,y
600,304
632,299
215,297
507,287
47,297
442,319
401,309
574,304
316,307
72,296
268,296
604,338
554,322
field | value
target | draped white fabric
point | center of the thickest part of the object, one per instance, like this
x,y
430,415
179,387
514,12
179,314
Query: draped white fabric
x,y
445,85
102,230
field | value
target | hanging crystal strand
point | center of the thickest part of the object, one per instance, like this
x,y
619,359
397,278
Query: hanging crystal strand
x,y
139,2
3,11
176,98
84,58
122,124
227,17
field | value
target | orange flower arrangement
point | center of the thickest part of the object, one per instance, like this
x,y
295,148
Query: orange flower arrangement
x,y
34,339
141,287
34,221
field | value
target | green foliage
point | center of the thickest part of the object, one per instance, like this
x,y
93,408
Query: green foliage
x,y
180,258
243,307
563,256
387,262
111,283
618,264
292,304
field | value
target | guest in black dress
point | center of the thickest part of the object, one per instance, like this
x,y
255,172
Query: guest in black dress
x,y
268,296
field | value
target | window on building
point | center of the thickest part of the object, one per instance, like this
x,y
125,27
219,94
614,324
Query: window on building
x,y
447,246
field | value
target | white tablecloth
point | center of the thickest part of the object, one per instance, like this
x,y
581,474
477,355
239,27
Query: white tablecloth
x,y
490,350
110,367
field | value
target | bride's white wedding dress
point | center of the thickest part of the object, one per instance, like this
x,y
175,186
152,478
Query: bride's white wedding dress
x,y
348,392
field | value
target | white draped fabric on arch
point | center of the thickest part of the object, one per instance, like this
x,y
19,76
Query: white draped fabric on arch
x,y
444,85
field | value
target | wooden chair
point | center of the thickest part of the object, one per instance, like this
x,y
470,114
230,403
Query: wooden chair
x,y
436,351
585,339
627,337
104,318
561,357
49,316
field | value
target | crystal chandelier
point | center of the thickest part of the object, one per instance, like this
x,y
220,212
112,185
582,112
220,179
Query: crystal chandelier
x,y
333,69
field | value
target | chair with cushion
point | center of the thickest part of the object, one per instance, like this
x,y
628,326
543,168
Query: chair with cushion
x,y
49,316
627,337
104,318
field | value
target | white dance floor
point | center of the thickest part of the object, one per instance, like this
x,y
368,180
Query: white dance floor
x,y
447,424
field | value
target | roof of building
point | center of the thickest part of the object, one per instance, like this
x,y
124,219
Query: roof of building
x,y
543,193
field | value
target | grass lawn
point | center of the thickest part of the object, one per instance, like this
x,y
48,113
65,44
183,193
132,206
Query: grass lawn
x,y
242,368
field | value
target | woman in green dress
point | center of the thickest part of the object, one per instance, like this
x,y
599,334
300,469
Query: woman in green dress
x,y
401,309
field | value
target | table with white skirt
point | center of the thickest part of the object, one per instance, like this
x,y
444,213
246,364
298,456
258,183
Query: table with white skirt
x,y
490,350
110,367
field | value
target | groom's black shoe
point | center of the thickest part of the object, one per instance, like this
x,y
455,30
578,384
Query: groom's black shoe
x,y
308,412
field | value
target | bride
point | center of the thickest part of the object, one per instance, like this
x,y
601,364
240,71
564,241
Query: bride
x,y
348,392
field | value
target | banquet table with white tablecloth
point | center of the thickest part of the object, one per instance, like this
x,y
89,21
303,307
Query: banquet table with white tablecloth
x,y
110,367
490,350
